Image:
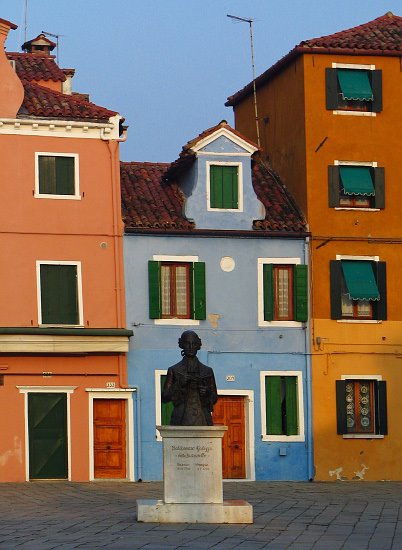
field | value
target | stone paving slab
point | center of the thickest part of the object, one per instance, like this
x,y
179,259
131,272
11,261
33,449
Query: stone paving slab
x,y
295,516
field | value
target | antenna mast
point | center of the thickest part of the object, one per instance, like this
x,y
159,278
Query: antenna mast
x,y
25,20
250,22
56,36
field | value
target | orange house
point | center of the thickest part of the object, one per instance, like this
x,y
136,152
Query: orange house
x,y
330,123
65,409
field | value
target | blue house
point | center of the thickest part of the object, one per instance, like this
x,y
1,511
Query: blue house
x,y
215,243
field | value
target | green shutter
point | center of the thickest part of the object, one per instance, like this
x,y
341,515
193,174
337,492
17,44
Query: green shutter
x,y
199,296
291,405
331,89
333,186
268,289
154,290
65,176
59,294
340,386
376,84
166,408
379,183
273,405
301,293
216,186
224,187
47,175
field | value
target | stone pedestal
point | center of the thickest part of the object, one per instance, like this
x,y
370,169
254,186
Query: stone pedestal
x,y
192,475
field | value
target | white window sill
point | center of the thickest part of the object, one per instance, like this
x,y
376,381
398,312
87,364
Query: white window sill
x,y
41,325
357,209
362,436
180,322
280,324
283,438
354,113
58,197
364,321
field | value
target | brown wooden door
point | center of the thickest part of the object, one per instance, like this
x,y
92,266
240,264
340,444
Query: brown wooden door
x,y
229,411
110,438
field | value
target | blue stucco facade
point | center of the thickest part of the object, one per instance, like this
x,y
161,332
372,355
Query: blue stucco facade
x,y
235,343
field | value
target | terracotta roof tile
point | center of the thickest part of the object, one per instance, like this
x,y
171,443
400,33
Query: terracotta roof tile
x,y
382,36
43,102
36,67
149,202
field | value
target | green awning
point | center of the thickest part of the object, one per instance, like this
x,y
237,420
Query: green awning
x,y
360,280
356,180
355,84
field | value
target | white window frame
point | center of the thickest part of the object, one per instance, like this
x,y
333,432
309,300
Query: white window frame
x,y
353,66
177,259
76,195
158,393
239,165
356,163
260,286
79,291
68,390
377,377
360,259
300,406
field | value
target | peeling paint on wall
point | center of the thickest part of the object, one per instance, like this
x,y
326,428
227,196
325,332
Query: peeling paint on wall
x,y
337,472
360,473
12,453
213,318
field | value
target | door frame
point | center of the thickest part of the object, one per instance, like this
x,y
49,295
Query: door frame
x,y
25,390
248,429
121,393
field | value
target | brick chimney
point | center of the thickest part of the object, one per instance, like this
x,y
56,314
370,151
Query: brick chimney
x,y
11,89
40,44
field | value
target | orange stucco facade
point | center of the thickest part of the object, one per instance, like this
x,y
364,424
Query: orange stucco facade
x,y
79,362
301,138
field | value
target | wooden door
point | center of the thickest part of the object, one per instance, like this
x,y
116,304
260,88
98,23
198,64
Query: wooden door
x,y
47,434
110,438
229,411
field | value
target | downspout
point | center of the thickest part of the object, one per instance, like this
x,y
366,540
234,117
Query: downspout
x,y
138,438
310,455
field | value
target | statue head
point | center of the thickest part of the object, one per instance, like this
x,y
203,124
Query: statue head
x,y
190,343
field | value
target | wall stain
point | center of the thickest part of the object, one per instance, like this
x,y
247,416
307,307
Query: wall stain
x,y
12,453
213,318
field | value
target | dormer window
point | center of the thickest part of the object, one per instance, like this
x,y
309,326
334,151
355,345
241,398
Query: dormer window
x,y
224,186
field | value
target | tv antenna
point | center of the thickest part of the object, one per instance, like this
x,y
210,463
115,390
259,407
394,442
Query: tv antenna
x,y
250,22
56,36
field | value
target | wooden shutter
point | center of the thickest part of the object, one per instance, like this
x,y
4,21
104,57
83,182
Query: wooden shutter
x,y
154,290
199,298
333,186
230,187
381,408
273,405
331,89
376,86
59,294
379,185
65,175
216,186
301,293
291,405
341,406
47,175
382,288
335,288
268,290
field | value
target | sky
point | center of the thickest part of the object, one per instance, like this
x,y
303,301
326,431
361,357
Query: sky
x,y
168,66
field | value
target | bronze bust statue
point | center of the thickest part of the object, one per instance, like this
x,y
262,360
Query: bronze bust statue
x,y
190,386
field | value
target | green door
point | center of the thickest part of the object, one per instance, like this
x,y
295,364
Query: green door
x,y
47,428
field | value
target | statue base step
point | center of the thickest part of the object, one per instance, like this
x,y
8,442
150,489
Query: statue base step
x,y
230,511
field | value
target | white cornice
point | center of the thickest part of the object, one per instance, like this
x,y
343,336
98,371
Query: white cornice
x,y
61,128
230,136
23,343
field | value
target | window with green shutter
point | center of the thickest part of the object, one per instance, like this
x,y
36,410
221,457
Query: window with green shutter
x,y
56,175
176,290
356,186
59,297
353,89
224,187
281,395
285,292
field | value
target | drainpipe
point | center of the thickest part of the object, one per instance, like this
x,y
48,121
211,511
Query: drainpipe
x,y
310,455
138,429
